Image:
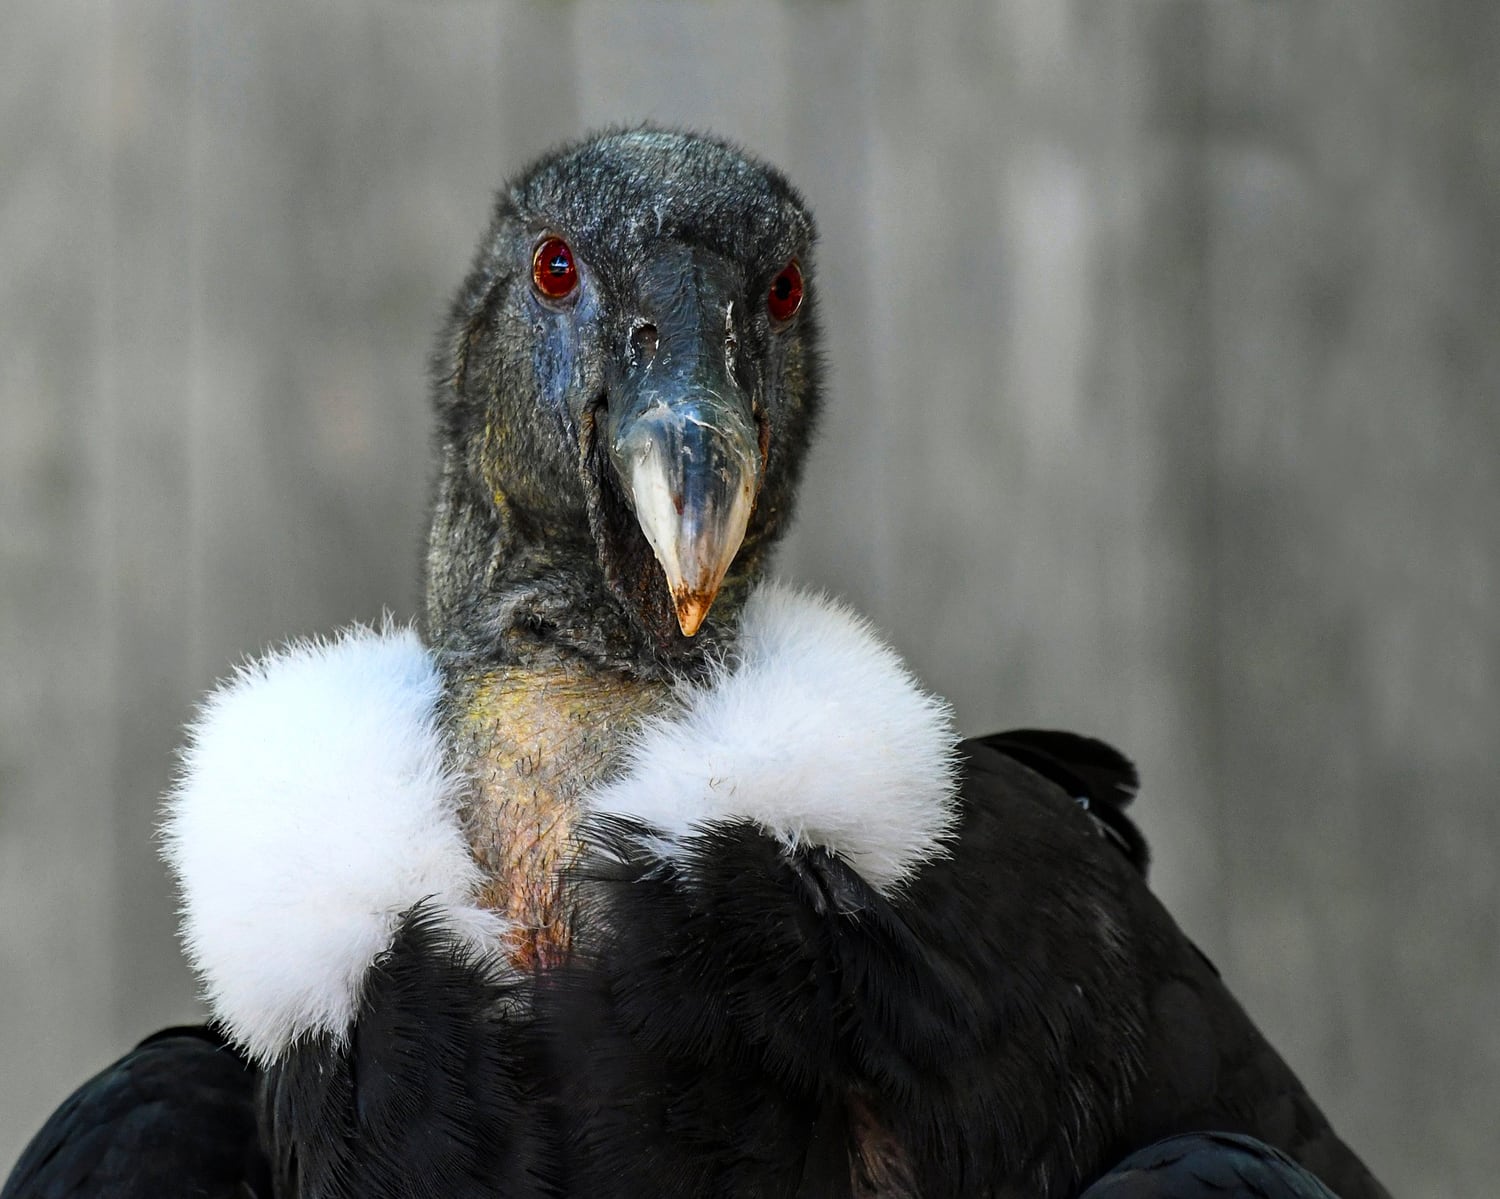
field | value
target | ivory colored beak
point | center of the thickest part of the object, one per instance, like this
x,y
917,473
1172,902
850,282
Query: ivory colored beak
x,y
691,467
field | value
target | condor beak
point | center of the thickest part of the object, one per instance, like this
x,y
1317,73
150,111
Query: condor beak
x,y
681,433
690,465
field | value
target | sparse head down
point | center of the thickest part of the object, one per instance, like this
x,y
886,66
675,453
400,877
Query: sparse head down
x,y
626,387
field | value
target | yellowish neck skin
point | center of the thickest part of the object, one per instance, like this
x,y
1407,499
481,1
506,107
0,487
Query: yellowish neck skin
x,y
535,738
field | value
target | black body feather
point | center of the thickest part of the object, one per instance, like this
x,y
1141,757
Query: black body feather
x,y
1022,1015
433,1095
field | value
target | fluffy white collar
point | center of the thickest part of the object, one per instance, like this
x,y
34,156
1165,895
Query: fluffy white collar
x,y
315,803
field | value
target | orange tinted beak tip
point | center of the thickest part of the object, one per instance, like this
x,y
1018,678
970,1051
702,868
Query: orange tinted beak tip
x,y
692,609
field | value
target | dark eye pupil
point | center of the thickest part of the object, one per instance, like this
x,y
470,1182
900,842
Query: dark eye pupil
x,y
782,287
559,264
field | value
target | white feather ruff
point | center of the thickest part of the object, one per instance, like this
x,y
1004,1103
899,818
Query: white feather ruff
x,y
815,731
315,805
313,808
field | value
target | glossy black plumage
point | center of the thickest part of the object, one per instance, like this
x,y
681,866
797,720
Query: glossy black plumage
x,y
744,1021
1208,1166
174,1117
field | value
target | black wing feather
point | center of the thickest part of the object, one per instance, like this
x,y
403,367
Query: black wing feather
x,y
1092,773
1208,1166
174,1116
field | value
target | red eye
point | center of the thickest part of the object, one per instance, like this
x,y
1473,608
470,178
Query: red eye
x,y
785,295
553,270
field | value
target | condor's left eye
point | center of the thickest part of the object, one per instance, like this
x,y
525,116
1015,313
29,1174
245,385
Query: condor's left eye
x,y
784,296
553,271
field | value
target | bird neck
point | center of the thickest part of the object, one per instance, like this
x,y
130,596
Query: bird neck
x,y
548,678
534,738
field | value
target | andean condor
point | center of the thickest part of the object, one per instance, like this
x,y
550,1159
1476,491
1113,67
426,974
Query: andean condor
x,y
638,875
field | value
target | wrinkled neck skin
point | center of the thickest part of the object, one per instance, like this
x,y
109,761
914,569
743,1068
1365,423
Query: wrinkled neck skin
x,y
547,678
503,591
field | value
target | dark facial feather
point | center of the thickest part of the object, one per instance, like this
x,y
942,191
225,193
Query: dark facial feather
x,y
531,528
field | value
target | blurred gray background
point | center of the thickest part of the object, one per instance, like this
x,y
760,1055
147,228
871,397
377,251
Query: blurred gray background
x,y
1165,346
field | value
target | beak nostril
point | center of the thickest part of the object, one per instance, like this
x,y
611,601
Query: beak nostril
x,y
643,341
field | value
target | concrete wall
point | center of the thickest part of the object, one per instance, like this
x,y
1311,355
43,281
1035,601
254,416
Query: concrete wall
x,y
1165,340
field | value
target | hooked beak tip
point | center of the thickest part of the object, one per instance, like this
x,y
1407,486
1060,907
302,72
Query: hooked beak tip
x,y
692,608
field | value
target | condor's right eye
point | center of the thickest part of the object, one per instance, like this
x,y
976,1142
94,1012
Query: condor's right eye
x,y
554,274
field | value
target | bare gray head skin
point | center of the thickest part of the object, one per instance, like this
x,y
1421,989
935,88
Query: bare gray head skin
x,y
602,453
